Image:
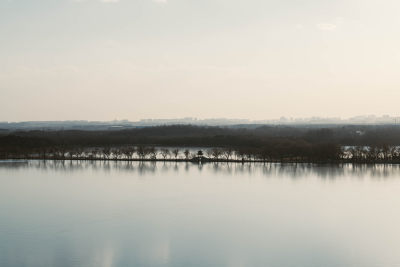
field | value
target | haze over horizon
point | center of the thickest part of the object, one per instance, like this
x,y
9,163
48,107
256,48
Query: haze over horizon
x,y
357,120
120,59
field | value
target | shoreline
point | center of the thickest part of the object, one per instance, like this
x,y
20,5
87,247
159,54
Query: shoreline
x,y
197,161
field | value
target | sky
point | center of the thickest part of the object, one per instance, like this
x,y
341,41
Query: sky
x,y
254,59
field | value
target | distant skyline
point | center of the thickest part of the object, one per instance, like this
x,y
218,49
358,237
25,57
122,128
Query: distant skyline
x,y
256,59
366,119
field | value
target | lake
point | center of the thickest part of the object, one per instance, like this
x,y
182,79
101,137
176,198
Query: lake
x,y
56,213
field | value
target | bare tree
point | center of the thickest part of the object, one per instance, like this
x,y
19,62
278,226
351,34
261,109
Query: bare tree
x,y
249,154
209,153
385,152
187,154
165,153
142,152
115,153
152,152
239,154
359,152
175,152
95,152
79,152
373,152
228,153
216,153
128,152
106,151
59,152
72,154
394,152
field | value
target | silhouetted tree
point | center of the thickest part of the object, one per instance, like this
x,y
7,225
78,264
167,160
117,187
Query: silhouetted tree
x,y
165,153
106,151
142,152
216,153
152,151
175,152
227,152
200,153
128,152
187,154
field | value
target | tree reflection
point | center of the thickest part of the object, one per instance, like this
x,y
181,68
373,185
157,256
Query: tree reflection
x,y
291,170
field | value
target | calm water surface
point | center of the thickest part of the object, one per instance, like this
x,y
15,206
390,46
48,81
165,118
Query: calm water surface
x,y
156,214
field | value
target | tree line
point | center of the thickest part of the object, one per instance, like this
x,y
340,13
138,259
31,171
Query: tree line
x,y
265,143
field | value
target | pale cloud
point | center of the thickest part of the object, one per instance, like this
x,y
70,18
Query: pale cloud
x,y
326,26
299,26
160,1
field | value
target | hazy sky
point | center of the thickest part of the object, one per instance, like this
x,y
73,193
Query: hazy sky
x,y
257,59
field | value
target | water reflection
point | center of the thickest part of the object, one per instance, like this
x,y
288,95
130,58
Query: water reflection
x,y
115,213
292,170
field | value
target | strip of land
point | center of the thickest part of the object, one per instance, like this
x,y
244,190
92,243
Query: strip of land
x,y
267,143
